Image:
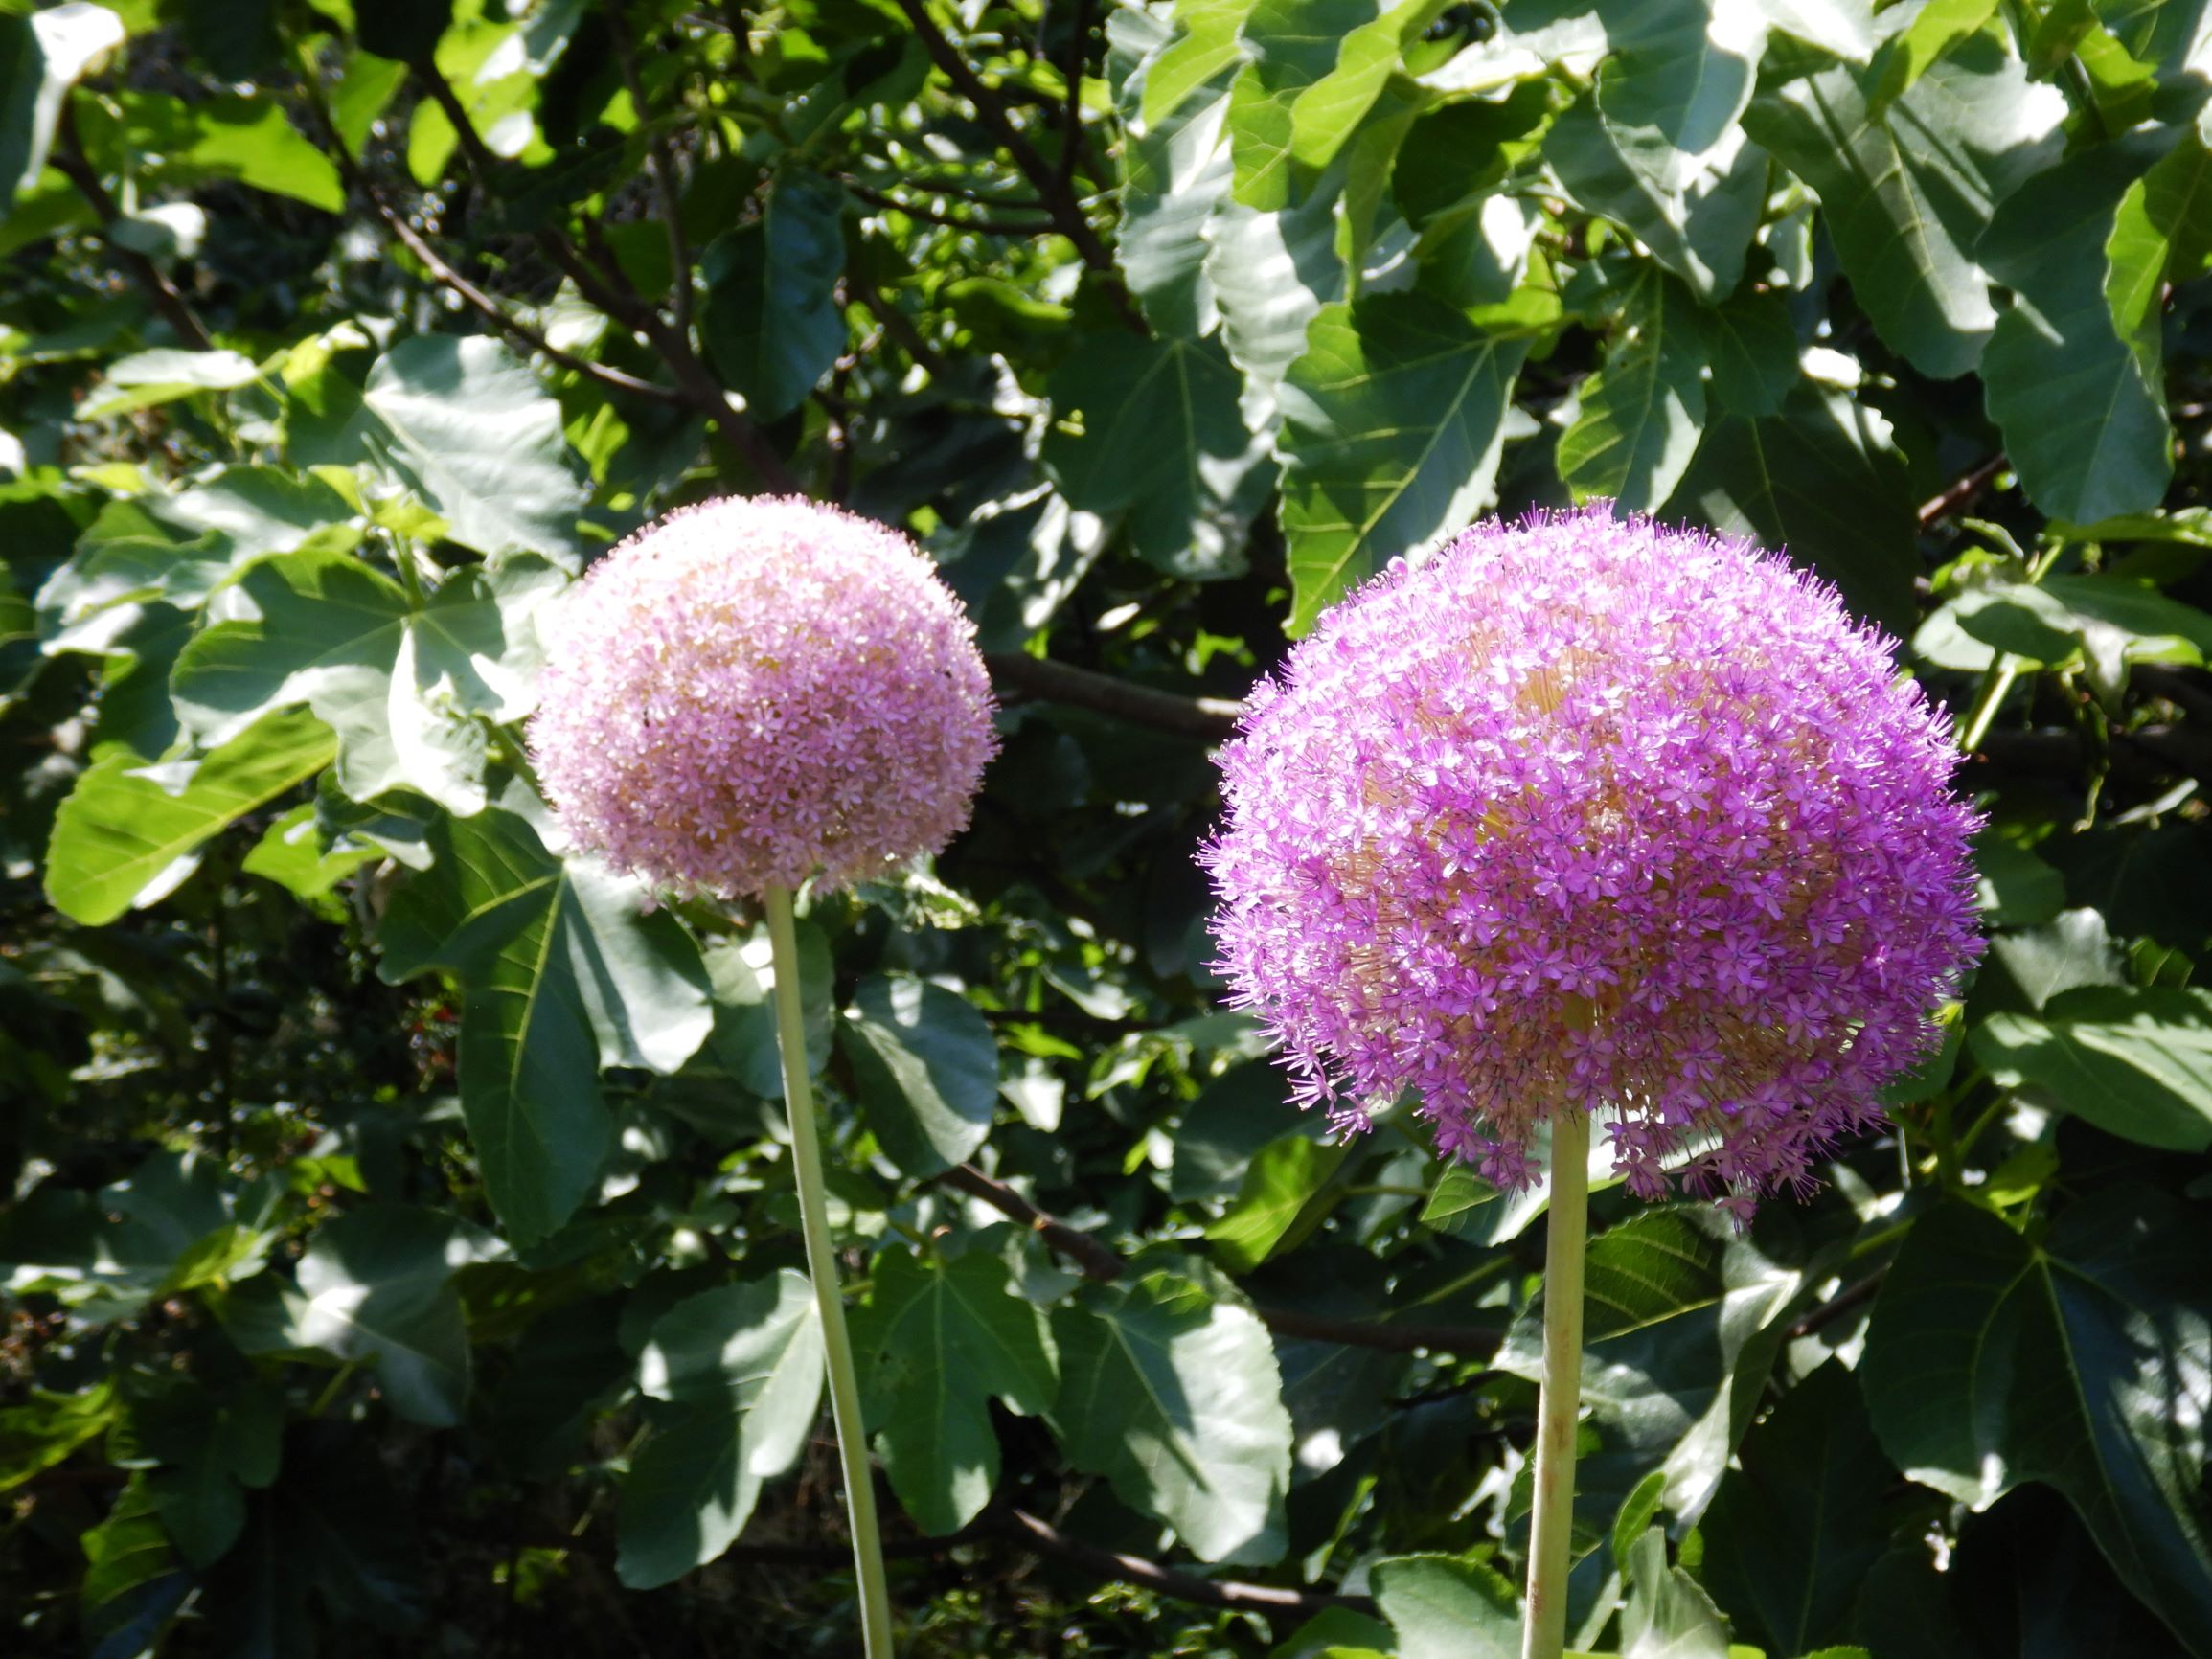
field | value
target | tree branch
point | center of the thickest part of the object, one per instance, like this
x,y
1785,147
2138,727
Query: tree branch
x,y
475,298
1213,718
662,165
1094,1260
1961,492
1114,1566
1071,144
901,327
1041,1537
166,298
1055,191
937,215
606,288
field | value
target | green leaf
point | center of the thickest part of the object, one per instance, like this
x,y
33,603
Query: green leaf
x,y
1666,1614
1393,423
1643,412
462,422
1324,116
1271,273
1701,231
1753,348
132,1583
376,1286
1173,1394
145,379
1290,44
1671,89
1991,1360
399,684
743,1366
926,1067
561,971
2073,949
1174,169
1684,1319
261,510
2161,238
1906,56
1163,441
2084,428
212,1445
1465,1206
1288,1179
2015,888
1208,44
1823,481
247,140
939,1338
121,841
41,56
771,322
1907,196
1447,1607
2134,1061
745,1039
1798,1524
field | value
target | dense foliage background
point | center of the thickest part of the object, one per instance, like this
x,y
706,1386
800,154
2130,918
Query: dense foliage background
x,y
400,1248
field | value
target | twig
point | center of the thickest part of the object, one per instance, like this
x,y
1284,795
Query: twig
x,y
606,288
1841,1303
167,300
940,216
1040,1537
483,165
662,165
1466,1340
1961,492
1071,141
1058,197
895,324
2148,753
475,298
1213,718
1113,1565
1094,1260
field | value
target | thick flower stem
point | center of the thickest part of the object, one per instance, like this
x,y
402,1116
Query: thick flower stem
x,y
1566,1231
822,1270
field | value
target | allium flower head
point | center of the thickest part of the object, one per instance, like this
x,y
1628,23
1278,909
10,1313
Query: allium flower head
x,y
1595,816
753,692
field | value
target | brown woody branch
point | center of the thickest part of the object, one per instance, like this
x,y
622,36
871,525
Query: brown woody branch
x,y
1213,718
1056,193
1961,494
2147,754
938,216
662,165
1040,1537
1095,1260
1114,1566
69,158
606,286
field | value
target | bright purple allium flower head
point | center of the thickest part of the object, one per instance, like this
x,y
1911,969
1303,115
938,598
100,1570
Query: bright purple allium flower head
x,y
753,692
1596,816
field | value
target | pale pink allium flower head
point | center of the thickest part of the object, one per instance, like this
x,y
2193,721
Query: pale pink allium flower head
x,y
1584,815
755,691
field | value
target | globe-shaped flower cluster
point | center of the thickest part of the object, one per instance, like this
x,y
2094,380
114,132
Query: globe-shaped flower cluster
x,y
756,692
1592,816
